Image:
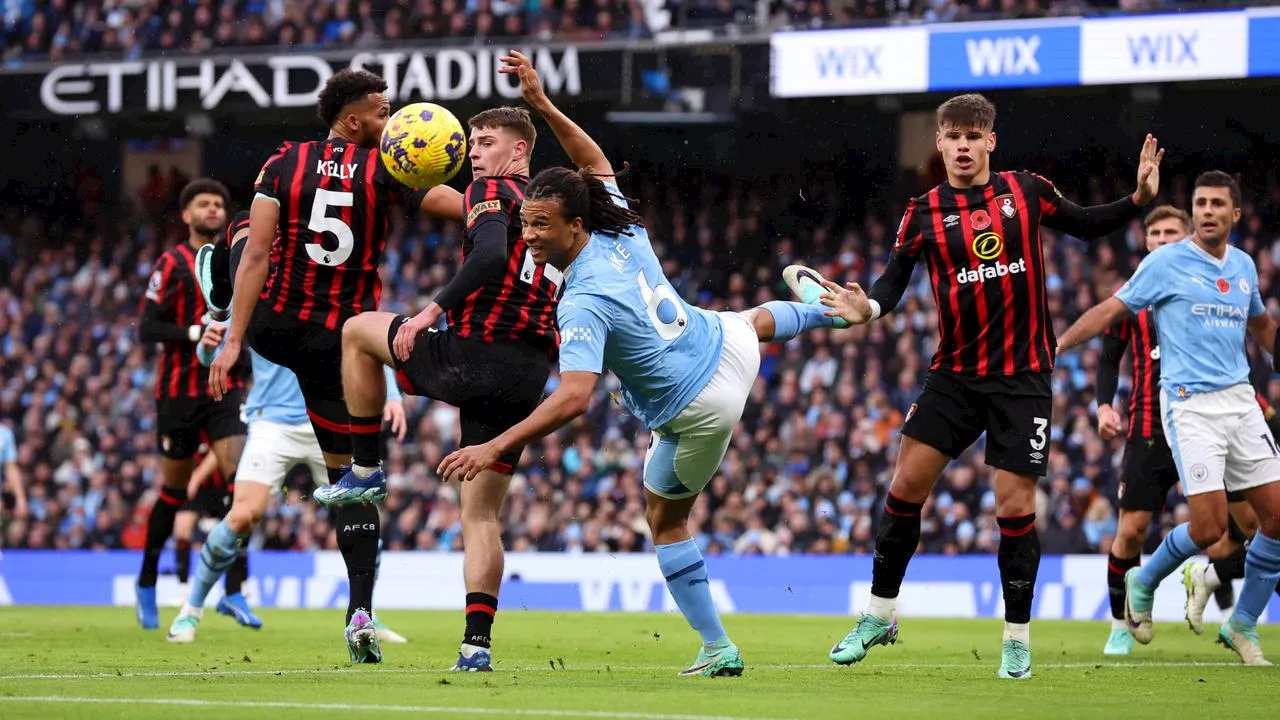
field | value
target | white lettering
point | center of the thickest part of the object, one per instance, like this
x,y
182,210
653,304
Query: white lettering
x,y
54,89
282,92
1003,56
293,80
1218,310
237,78
985,272
335,169
115,72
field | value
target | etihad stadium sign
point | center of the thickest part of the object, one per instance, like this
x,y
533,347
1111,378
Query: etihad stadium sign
x,y
295,80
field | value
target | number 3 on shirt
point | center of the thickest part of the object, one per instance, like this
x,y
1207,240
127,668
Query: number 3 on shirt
x,y
654,297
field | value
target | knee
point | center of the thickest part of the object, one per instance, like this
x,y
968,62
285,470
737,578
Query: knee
x,y
1269,526
354,332
665,526
1205,532
479,514
242,518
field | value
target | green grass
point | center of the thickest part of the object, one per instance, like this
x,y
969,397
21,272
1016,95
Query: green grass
x,y
95,663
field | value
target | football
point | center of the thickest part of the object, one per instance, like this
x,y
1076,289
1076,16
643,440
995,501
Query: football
x,y
423,145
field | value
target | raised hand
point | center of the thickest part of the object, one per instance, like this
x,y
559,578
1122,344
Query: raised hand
x,y
517,63
1148,171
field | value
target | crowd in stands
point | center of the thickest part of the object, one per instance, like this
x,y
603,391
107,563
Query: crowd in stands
x,y
35,30
806,473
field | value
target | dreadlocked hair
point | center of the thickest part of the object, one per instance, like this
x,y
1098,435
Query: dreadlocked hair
x,y
582,194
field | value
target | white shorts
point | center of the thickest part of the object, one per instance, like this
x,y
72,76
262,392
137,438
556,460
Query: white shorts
x,y
1220,440
272,449
685,453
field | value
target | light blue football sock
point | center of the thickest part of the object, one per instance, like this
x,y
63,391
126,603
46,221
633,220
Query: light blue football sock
x,y
1173,551
792,318
686,575
219,551
1261,571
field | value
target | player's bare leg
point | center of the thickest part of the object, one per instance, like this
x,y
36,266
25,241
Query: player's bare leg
x,y
1208,523
1262,571
686,573
919,467
1019,559
221,550
175,474
482,566
1125,553
1202,581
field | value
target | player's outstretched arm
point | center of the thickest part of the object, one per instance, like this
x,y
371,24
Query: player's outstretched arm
x,y
582,150
570,399
264,219
1098,318
1113,345
442,202
1096,221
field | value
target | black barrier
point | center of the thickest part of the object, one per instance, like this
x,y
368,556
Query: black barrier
x,y
622,74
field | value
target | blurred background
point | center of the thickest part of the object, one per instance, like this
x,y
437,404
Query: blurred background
x,y
759,134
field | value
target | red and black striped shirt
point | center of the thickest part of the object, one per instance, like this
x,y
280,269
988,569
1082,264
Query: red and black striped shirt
x,y
171,305
334,198
522,304
983,249
1139,333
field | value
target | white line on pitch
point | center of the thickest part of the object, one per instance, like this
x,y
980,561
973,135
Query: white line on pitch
x,y
595,668
347,707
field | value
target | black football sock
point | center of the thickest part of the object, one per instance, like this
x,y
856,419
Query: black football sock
x,y
237,573
159,530
481,608
366,437
182,564
1019,560
358,532
1116,568
896,542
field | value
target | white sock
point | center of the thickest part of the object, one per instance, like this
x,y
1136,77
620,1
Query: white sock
x,y
882,608
1211,580
195,612
363,472
1119,624
1018,631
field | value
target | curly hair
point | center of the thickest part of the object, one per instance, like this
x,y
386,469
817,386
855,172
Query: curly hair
x,y
583,194
343,88
203,186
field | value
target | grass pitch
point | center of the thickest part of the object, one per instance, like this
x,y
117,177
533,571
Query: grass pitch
x,y
95,663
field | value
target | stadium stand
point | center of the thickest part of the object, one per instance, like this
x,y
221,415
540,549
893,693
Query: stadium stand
x,y
806,473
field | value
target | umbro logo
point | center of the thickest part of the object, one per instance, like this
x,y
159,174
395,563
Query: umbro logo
x,y
950,220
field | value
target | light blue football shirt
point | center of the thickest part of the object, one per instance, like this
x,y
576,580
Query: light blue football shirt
x,y
1202,306
619,312
275,395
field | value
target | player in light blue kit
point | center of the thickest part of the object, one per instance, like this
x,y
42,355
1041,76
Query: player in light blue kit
x,y
280,437
685,372
1205,294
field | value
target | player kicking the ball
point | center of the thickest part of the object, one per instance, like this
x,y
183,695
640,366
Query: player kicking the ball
x,y
280,437
685,372
1204,294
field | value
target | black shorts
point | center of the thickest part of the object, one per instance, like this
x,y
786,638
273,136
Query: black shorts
x,y
180,422
493,385
314,354
213,499
1014,411
1147,475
